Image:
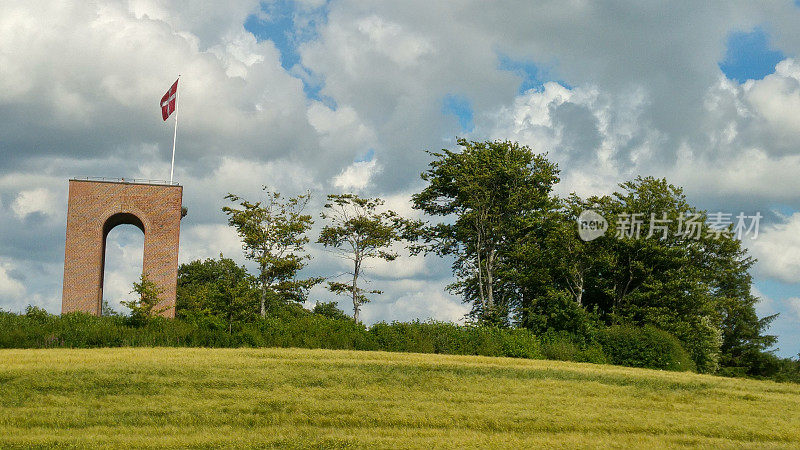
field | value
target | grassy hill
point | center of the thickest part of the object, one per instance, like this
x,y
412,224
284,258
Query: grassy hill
x,y
287,397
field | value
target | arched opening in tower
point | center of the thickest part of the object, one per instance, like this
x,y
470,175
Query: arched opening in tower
x,y
123,259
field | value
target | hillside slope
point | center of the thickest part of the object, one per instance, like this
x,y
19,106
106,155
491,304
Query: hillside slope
x,y
242,397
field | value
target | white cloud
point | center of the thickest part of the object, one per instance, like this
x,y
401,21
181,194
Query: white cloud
x,y
777,248
408,300
776,98
38,200
342,133
208,241
124,257
356,176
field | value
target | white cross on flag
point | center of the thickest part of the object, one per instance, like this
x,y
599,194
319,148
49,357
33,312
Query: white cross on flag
x,y
168,101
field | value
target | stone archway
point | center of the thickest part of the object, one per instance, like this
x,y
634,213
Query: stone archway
x,y
95,208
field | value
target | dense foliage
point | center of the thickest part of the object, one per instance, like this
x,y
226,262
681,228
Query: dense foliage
x,y
294,326
644,347
498,193
520,260
217,288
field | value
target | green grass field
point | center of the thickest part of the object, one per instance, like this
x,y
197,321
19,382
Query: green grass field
x,y
139,397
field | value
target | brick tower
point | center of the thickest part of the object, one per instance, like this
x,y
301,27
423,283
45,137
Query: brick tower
x,y
95,208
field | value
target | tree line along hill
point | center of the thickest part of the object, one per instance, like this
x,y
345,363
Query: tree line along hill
x,y
662,298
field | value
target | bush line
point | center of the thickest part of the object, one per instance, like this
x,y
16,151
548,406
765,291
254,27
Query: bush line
x,y
622,345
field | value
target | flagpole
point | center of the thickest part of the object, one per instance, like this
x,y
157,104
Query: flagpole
x,y
175,134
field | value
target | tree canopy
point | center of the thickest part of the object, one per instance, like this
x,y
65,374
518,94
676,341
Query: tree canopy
x,y
273,234
357,230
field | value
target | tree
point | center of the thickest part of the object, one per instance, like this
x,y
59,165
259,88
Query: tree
x,y
273,235
664,276
687,281
219,288
329,310
552,270
496,193
145,306
357,231
744,339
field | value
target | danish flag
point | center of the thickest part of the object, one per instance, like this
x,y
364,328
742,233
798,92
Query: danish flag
x,y
168,101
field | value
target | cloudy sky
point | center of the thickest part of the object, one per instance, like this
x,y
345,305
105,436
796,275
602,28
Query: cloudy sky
x,y
346,95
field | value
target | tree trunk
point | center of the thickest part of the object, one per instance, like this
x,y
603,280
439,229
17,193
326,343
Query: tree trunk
x,y
490,279
356,305
263,301
480,273
263,277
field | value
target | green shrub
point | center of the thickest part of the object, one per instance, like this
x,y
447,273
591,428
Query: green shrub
x,y
37,314
289,327
557,311
519,343
644,347
563,346
292,326
449,338
314,331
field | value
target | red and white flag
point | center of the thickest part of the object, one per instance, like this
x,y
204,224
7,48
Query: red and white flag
x,y
168,101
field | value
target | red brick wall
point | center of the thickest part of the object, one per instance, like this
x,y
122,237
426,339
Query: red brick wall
x,y
91,205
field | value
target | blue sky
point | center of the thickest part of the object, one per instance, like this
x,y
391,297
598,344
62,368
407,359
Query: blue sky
x,y
278,22
785,325
749,56
460,107
533,75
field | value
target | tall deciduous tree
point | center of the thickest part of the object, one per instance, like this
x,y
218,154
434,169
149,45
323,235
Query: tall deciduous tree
x,y
358,231
659,264
273,234
495,192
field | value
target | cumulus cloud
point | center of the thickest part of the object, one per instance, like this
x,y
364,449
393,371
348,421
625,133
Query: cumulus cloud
x,y
778,250
415,300
737,156
356,176
38,200
208,241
